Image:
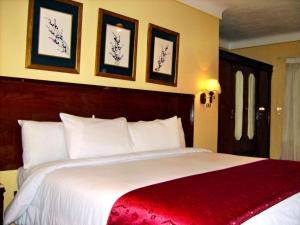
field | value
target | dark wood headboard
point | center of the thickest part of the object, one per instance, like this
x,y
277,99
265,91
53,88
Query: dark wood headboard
x,y
44,100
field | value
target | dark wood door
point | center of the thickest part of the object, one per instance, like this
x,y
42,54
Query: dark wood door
x,y
226,108
263,109
258,144
244,145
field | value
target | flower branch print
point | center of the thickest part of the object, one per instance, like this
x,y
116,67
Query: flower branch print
x,y
162,58
116,48
56,34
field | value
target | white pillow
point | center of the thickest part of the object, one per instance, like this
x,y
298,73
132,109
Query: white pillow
x,y
42,142
181,134
155,135
96,137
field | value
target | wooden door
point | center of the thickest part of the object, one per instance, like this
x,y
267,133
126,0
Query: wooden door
x,y
244,144
263,114
226,108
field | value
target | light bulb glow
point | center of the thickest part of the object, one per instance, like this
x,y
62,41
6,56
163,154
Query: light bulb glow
x,y
211,85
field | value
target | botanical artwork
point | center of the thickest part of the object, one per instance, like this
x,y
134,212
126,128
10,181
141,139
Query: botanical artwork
x,y
162,58
54,33
117,46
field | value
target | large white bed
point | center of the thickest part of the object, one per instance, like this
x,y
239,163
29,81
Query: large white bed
x,y
82,192
74,170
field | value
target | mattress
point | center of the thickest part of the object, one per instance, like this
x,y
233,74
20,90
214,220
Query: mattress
x,y
83,191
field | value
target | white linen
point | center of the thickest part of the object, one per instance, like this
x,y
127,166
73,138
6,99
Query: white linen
x,y
87,138
85,190
42,142
155,135
22,174
181,134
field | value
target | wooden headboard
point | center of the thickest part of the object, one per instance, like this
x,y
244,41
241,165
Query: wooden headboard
x,y
44,100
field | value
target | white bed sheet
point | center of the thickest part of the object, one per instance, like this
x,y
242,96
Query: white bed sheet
x,y
22,174
82,192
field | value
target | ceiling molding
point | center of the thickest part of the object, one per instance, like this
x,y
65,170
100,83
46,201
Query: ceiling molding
x,y
274,39
206,6
224,43
293,60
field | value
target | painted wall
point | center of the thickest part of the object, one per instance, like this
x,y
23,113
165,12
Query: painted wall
x,y
275,55
198,54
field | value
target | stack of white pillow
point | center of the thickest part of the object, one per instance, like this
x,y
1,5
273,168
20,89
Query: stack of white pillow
x,y
79,137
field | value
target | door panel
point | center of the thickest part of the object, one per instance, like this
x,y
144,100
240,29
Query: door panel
x,y
245,146
251,106
226,108
239,105
263,114
258,145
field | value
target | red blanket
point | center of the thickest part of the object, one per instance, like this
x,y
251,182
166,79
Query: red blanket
x,y
229,196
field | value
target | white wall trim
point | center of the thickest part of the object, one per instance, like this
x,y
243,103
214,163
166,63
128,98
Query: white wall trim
x,y
224,43
280,38
293,60
206,6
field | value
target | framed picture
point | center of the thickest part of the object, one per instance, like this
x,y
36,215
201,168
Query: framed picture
x,y
116,46
54,35
162,60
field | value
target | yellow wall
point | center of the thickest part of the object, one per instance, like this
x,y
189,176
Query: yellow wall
x,y
198,54
275,55
9,180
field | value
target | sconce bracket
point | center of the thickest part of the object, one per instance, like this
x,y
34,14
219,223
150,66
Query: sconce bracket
x,y
211,96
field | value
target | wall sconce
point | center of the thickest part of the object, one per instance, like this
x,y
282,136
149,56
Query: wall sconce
x,y
210,88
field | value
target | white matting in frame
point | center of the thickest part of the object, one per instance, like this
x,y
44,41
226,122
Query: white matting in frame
x,y
117,44
162,56
55,33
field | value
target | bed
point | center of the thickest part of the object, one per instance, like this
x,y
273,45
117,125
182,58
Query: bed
x,y
85,190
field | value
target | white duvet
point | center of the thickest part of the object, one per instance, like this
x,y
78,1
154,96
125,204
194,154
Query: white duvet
x,y
82,192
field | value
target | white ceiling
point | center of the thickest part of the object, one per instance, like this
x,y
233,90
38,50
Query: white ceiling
x,y
246,23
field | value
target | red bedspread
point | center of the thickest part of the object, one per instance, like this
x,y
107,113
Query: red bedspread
x,y
229,196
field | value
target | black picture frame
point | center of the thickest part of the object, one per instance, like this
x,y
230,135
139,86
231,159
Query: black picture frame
x,y
162,56
116,46
54,35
